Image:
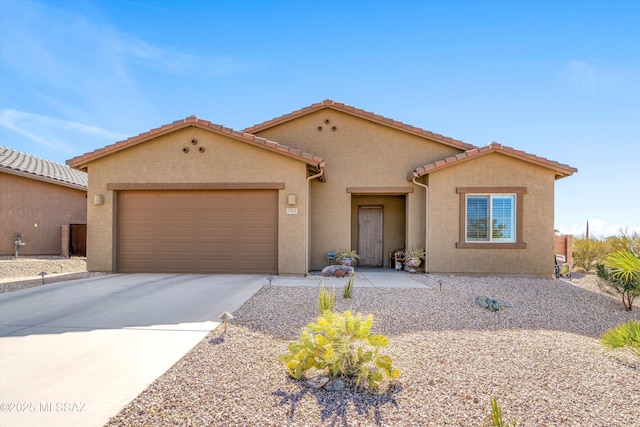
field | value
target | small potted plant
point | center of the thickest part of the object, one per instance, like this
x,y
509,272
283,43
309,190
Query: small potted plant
x,y
415,257
348,258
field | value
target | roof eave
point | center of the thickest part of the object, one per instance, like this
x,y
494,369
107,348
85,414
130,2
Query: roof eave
x,y
561,171
365,115
43,179
82,162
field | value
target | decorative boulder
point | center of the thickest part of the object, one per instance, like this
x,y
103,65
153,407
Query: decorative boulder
x,y
332,270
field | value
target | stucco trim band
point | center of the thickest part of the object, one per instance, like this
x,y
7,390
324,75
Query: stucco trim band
x,y
379,190
197,186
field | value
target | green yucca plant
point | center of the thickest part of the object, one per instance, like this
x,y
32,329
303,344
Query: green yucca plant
x,y
496,419
347,292
626,335
343,345
326,298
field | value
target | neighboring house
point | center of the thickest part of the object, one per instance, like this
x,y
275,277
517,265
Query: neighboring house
x,y
192,196
37,199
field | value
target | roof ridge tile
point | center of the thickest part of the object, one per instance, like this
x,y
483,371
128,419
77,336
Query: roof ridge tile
x,y
327,103
81,160
29,165
561,169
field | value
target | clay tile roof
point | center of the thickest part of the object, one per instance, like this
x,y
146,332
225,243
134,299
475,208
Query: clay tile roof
x,y
80,162
338,106
18,163
561,169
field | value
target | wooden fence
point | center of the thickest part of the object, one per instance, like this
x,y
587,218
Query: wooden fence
x,y
563,245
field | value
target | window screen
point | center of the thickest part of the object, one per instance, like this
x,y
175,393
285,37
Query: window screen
x,y
491,218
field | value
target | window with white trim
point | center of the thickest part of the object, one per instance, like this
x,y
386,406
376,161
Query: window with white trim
x,y
491,218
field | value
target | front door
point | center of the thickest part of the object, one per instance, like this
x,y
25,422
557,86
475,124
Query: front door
x,y
370,236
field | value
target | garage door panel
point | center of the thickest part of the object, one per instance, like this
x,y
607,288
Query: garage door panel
x,y
139,247
218,232
179,233
198,231
141,230
176,248
256,234
138,265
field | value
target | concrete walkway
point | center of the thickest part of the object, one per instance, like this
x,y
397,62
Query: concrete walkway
x,y
75,353
365,278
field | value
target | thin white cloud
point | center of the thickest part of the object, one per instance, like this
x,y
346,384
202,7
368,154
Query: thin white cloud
x,y
83,68
52,132
173,61
589,77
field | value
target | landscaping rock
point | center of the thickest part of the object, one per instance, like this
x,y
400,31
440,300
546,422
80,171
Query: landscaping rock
x,y
337,270
317,382
335,385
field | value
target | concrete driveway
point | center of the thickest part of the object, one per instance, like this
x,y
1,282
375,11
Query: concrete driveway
x,y
76,352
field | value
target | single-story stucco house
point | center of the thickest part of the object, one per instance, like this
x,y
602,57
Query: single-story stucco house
x,y
276,198
44,202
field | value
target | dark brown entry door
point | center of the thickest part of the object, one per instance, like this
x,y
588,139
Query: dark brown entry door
x,y
370,236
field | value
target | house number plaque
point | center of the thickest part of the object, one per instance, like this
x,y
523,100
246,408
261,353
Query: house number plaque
x,y
292,211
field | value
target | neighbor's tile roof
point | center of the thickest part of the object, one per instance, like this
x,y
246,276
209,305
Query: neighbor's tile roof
x,y
561,170
18,163
338,106
81,161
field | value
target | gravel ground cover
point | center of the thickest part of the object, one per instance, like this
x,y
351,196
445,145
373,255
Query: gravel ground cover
x,y
18,274
539,356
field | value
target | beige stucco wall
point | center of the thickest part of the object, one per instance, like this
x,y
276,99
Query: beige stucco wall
x,y
358,153
37,210
225,160
492,170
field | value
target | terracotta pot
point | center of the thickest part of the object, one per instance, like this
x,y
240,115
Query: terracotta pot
x,y
345,261
413,262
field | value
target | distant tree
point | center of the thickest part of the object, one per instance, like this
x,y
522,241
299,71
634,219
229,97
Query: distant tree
x,y
625,241
588,252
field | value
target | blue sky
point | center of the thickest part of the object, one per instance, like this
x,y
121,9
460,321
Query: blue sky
x,y
559,79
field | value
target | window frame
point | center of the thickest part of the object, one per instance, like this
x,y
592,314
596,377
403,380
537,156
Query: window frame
x,y
519,193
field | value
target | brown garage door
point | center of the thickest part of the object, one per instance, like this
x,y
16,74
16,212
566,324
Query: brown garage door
x,y
217,231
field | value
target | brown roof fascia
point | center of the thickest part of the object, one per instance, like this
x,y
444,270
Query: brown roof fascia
x,y
81,162
367,115
562,170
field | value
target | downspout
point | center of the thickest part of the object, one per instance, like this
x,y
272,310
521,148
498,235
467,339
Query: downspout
x,y
426,220
306,219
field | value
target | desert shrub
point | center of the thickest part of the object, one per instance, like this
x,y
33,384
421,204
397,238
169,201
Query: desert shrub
x,y
347,292
625,241
326,298
626,335
496,419
587,253
620,275
342,345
